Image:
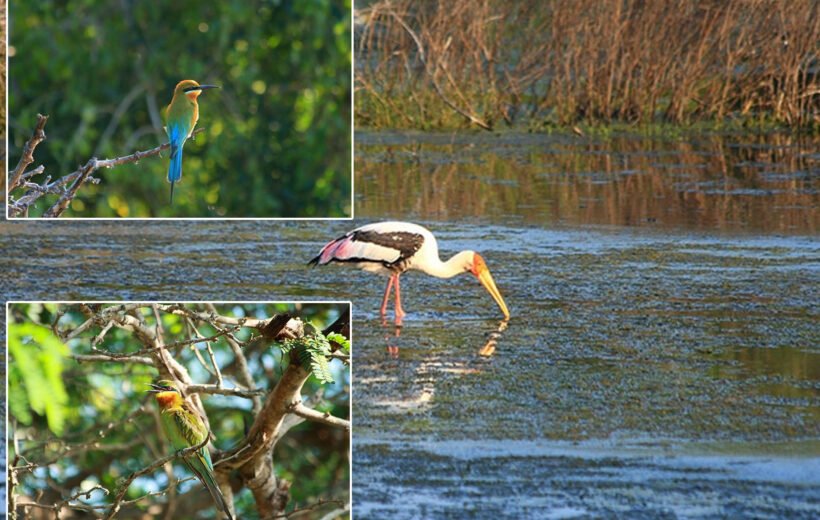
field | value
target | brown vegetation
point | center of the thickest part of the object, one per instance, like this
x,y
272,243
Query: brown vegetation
x,y
420,63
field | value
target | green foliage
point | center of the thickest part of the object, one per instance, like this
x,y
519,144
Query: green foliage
x,y
109,421
35,375
335,337
276,140
313,351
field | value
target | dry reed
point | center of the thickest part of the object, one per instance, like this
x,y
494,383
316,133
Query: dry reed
x,y
431,63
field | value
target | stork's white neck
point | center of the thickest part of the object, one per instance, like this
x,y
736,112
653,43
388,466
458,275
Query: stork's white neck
x,y
456,265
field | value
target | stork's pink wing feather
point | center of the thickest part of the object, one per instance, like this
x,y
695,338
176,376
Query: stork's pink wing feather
x,y
347,248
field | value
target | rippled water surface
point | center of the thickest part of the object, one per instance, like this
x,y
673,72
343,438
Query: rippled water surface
x,y
662,358
712,183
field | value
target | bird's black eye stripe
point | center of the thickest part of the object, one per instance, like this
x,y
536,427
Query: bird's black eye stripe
x,y
190,89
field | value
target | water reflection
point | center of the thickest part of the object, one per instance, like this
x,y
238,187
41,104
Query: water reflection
x,y
392,338
729,183
392,333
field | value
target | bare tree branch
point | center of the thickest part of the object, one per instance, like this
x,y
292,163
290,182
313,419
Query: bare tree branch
x,y
66,502
253,458
76,179
105,358
214,389
321,503
316,416
28,151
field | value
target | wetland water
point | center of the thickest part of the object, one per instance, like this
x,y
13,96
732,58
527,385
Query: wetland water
x,y
663,354
662,357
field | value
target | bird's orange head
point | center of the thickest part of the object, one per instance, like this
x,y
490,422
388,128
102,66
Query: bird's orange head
x,y
167,393
480,270
190,88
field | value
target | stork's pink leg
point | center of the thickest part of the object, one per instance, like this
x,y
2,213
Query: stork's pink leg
x,y
387,295
399,311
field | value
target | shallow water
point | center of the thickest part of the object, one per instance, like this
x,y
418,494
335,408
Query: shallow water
x,y
660,359
682,343
548,479
663,295
714,183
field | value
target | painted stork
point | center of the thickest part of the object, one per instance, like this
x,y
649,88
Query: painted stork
x,y
391,248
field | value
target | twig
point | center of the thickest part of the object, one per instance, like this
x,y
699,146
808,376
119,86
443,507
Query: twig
x,y
105,358
66,501
101,336
28,151
212,318
172,485
317,505
77,178
199,357
117,504
241,362
316,416
150,350
81,176
336,513
199,339
36,171
344,358
213,389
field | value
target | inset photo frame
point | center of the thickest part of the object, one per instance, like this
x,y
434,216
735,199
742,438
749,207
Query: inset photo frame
x,y
179,409
214,110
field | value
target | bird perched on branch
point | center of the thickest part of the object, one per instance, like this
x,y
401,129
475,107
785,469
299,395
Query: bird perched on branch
x,y
184,428
181,116
391,248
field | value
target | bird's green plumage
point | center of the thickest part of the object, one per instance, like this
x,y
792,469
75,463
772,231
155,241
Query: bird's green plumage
x,y
184,428
180,118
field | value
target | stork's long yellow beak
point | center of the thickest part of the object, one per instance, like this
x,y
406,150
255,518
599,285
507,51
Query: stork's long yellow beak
x,y
487,281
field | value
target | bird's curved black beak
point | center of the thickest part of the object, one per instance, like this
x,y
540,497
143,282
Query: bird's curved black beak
x,y
155,388
204,87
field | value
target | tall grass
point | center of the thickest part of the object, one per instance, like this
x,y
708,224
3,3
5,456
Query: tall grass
x,y
438,62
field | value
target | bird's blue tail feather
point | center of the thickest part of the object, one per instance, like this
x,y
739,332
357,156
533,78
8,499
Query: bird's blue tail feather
x,y
175,167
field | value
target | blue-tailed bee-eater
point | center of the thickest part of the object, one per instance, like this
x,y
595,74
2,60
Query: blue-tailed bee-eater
x,y
184,428
181,116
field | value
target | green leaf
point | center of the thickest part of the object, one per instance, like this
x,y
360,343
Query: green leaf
x,y
335,337
37,371
313,352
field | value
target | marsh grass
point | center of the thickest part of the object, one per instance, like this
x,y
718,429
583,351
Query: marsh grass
x,y
439,64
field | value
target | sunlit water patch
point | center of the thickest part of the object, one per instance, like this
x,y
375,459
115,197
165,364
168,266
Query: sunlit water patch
x,y
730,183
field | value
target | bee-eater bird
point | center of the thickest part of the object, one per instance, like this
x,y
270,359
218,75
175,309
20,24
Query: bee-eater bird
x,y
181,116
185,428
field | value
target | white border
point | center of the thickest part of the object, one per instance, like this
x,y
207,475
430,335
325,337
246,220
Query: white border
x,y
349,303
189,219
